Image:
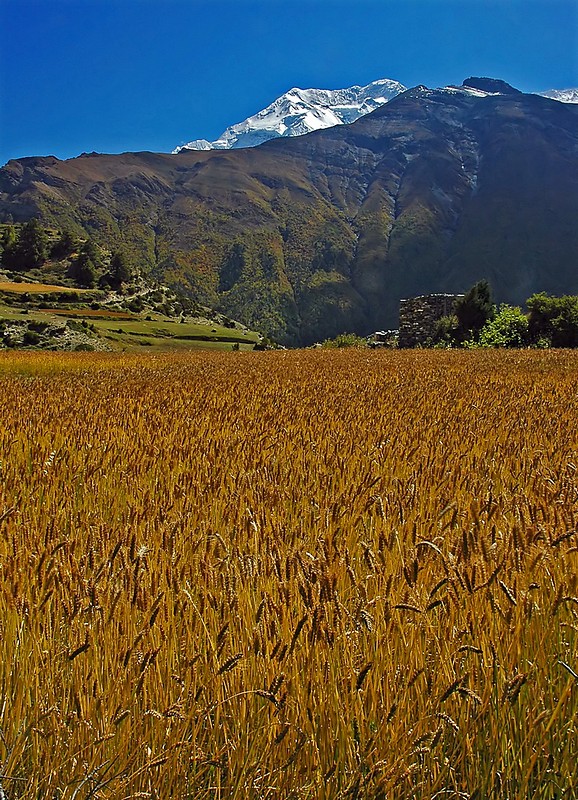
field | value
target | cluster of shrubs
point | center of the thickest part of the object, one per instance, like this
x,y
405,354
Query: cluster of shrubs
x,y
345,340
30,336
477,322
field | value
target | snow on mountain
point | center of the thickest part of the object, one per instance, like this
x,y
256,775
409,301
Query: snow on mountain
x,y
300,111
198,144
563,95
465,90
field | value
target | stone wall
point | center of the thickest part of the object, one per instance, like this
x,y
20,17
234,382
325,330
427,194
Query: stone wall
x,y
418,317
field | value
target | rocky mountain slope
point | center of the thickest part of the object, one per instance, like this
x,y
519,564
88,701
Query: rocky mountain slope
x,y
300,111
310,236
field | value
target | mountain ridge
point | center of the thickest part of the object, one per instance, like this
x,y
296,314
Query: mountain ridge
x,y
310,236
300,111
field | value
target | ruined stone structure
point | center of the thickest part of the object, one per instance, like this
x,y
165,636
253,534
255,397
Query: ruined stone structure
x,y
418,317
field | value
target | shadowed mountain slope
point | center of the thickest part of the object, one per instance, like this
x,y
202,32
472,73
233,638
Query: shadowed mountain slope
x,y
307,237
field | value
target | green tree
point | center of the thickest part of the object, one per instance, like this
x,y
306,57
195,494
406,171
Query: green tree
x,y
93,251
84,271
8,244
85,266
64,246
31,249
119,271
445,333
509,328
553,319
473,310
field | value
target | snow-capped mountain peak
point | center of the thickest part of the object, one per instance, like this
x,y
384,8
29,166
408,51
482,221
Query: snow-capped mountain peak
x,y
300,111
562,95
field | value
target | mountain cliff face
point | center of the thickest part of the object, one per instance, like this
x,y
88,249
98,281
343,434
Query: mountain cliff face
x,y
314,235
300,111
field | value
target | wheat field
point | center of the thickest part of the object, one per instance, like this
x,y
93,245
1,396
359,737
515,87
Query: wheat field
x,y
318,574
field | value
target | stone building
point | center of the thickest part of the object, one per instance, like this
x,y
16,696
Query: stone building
x,y
418,317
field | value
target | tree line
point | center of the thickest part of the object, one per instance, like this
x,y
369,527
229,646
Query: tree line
x,y
29,248
478,322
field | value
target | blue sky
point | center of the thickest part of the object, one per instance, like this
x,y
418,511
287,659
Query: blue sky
x,y
118,75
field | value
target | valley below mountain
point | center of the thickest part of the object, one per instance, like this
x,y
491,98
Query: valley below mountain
x,y
306,237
